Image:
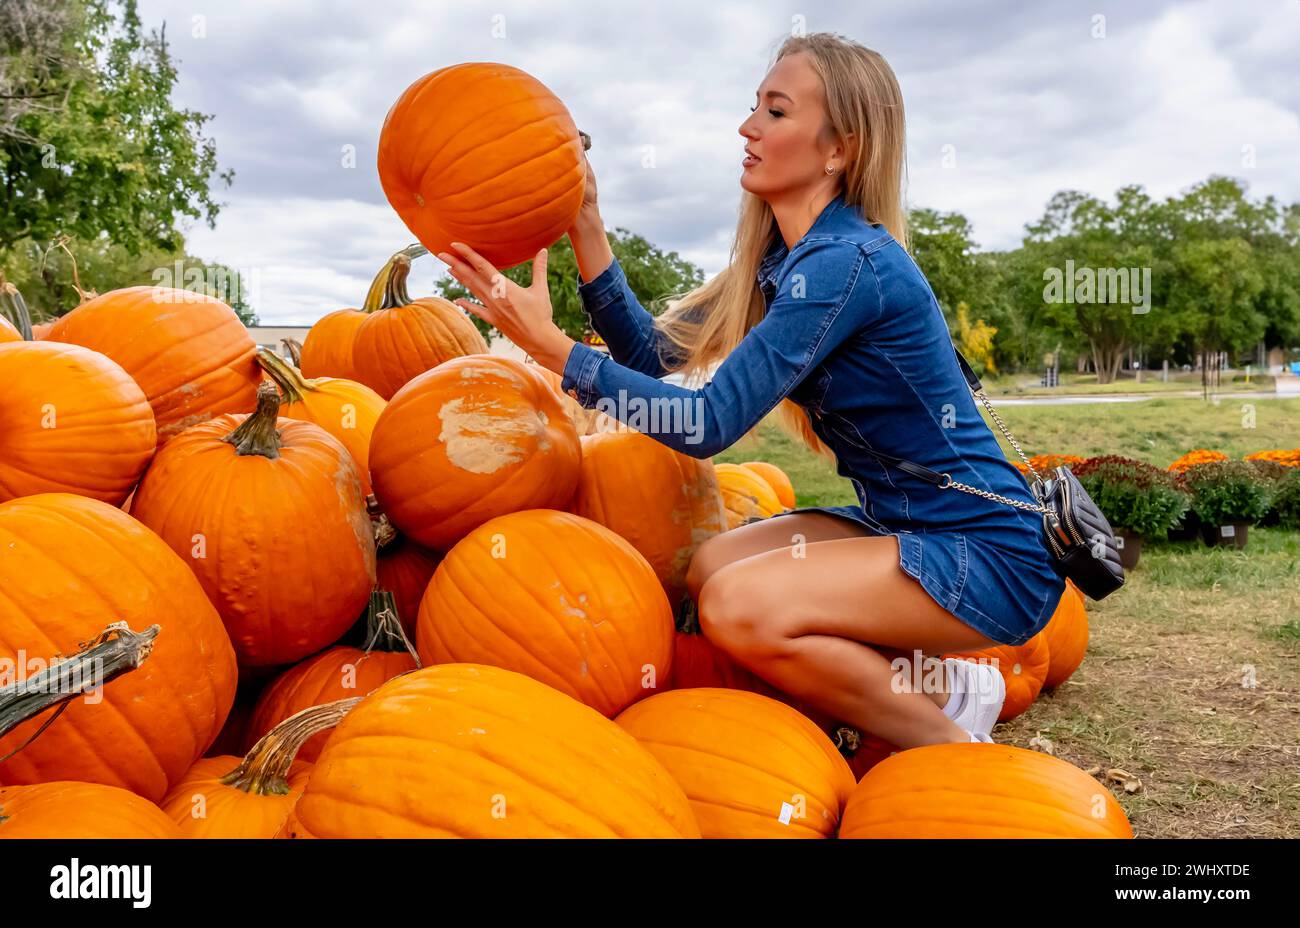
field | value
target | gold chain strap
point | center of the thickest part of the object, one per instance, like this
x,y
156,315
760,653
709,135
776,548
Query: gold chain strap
x,y
975,491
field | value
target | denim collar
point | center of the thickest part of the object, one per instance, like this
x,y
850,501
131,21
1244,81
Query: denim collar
x,y
778,251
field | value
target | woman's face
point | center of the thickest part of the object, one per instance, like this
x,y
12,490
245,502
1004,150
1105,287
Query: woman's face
x,y
784,133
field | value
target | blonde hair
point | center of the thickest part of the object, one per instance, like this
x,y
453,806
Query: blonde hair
x,y
862,99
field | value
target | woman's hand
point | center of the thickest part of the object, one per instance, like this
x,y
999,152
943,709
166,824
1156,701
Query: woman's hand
x,y
588,191
523,314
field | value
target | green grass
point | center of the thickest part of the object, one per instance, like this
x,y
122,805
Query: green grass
x,y
1158,430
1192,679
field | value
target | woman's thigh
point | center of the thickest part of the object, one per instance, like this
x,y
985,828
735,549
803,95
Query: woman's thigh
x,y
847,587
763,536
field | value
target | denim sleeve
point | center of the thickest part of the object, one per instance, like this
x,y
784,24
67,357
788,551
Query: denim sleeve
x,y
617,317
825,297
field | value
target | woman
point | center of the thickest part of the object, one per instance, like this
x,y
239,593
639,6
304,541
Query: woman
x,y
822,311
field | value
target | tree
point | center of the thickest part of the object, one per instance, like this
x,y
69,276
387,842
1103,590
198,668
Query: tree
x,y
943,249
54,279
1083,246
1216,285
652,274
90,142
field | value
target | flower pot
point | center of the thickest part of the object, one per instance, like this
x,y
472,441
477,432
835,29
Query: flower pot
x,y
1233,535
1186,530
1130,548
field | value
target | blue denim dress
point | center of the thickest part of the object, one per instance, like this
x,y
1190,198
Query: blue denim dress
x,y
853,334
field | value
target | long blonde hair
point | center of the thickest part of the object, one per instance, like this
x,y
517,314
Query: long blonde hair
x,y
862,99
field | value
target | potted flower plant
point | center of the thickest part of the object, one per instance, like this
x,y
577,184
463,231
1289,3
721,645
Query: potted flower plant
x,y
1139,500
1228,497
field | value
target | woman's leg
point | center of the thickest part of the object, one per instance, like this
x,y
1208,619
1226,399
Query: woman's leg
x,y
758,537
807,624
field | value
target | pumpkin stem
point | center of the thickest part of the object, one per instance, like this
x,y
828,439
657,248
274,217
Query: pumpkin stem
x,y
383,528
688,617
116,650
389,286
265,768
62,242
257,434
286,376
847,740
294,347
384,627
14,308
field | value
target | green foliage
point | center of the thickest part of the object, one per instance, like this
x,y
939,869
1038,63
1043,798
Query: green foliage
x,y
652,274
1286,500
90,142
1224,492
1143,499
45,276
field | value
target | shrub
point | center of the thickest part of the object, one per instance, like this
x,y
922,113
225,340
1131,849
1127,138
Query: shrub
x,y
1224,492
1134,496
1286,501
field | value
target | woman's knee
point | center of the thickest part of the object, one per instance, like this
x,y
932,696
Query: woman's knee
x,y
736,615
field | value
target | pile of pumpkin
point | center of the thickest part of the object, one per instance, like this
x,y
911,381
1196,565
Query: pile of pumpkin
x,y
413,589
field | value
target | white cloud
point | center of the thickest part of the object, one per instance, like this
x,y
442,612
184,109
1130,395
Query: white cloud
x,y
1029,100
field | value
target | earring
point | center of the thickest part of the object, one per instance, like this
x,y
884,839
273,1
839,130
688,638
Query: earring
x,y
829,169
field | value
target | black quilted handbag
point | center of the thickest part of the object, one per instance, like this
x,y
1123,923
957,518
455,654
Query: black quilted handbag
x,y
1075,532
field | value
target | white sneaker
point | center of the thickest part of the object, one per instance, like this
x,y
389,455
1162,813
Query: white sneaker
x,y
980,738
984,691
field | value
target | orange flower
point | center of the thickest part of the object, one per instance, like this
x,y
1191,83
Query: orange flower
x,y
1192,458
1044,462
1287,458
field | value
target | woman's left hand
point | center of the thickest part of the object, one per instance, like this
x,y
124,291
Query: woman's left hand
x,y
523,314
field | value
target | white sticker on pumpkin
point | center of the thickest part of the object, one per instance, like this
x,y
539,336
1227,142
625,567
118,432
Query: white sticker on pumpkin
x,y
786,811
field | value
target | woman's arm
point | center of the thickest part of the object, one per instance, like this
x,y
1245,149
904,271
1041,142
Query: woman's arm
x,y
615,313
825,297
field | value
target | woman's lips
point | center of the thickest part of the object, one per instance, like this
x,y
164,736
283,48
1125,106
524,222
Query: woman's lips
x,y
750,161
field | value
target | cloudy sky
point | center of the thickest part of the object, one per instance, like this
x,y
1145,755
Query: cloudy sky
x,y
1007,102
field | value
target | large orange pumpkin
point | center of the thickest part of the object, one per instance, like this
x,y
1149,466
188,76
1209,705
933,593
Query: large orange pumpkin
x,y
344,408
189,352
665,503
272,522
401,338
474,438
466,750
70,566
337,673
404,569
70,809
777,479
752,767
507,184
74,422
1023,667
745,494
327,350
558,597
7,332
980,791
585,421
1067,637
